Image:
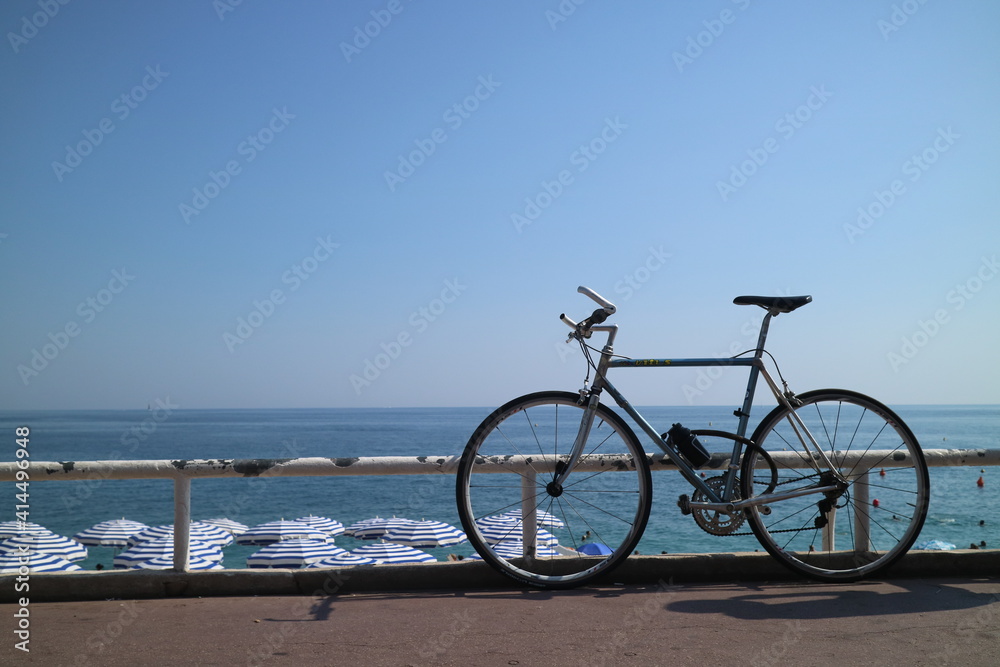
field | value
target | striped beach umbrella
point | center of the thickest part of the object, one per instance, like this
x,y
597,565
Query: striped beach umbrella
x,y
364,523
515,549
497,529
293,553
541,518
228,525
48,543
198,531
167,563
425,534
276,531
393,553
150,533
376,528
344,560
35,562
164,547
17,528
114,533
331,527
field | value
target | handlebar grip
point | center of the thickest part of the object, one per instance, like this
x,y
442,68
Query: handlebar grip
x,y
609,307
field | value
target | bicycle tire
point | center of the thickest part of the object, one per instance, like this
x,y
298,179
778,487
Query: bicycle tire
x,y
513,454
885,503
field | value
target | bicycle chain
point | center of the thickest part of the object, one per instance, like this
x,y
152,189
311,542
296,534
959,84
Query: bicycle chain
x,y
784,530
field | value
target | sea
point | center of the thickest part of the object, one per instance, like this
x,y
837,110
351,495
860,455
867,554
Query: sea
x,y
962,511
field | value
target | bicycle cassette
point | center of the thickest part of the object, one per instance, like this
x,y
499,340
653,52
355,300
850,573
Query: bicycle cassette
x,y
716,522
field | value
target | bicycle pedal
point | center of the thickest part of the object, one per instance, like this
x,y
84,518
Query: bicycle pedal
x,y
684,502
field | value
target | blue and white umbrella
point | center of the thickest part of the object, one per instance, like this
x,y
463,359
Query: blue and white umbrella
x,y
17,528
150,533
293,553
331,527
228,525
114,533
364,523
198,531
344,560
515,549
35,562
393,553
376,528
167,563
165,547
498,529
276,531
425,534
541,518
48,543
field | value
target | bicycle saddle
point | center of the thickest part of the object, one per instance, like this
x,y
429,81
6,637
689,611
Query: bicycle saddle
x,y
774,304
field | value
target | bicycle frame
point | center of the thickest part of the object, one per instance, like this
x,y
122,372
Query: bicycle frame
x,y
755,363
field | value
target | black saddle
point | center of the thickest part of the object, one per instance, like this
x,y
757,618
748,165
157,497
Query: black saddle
x,y
774,304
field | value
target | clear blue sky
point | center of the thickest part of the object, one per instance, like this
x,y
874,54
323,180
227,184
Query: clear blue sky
x,y
246,206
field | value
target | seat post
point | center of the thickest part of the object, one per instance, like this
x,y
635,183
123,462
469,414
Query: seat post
x,y
763,335
744,412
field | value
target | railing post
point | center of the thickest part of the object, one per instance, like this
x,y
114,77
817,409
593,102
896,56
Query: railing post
x,y
529,513
182,522
862,520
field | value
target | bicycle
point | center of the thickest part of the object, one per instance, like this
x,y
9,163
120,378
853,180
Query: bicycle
x,y
554,488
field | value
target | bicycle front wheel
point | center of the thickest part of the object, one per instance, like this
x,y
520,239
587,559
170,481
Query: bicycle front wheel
x,y
846,535
540,533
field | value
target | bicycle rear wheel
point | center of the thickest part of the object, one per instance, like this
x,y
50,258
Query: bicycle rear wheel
x,y
849,535
581,529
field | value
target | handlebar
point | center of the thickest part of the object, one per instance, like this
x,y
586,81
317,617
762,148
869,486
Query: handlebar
x,y
608,307
597,317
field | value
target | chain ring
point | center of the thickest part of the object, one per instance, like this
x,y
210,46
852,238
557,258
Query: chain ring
x,y
715,522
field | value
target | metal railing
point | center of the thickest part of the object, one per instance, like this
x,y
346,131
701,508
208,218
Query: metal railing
x,y
183,471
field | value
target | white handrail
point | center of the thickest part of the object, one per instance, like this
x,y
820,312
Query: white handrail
x,y
183,471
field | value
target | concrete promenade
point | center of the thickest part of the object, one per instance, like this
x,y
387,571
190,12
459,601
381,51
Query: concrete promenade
x,y
934,608
939,621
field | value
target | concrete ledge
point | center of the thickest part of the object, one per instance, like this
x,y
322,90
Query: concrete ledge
x,y
468,575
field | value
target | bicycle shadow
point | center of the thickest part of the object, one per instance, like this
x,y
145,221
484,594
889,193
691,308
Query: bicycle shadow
x,y
824,602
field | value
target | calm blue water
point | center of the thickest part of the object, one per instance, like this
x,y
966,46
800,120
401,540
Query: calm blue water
x,y
957,504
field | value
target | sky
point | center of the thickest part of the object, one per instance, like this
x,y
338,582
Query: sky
x,y
227,204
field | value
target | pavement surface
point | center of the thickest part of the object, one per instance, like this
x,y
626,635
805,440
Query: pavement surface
x,y
911,621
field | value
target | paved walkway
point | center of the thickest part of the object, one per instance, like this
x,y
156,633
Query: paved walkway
x,y
902,621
